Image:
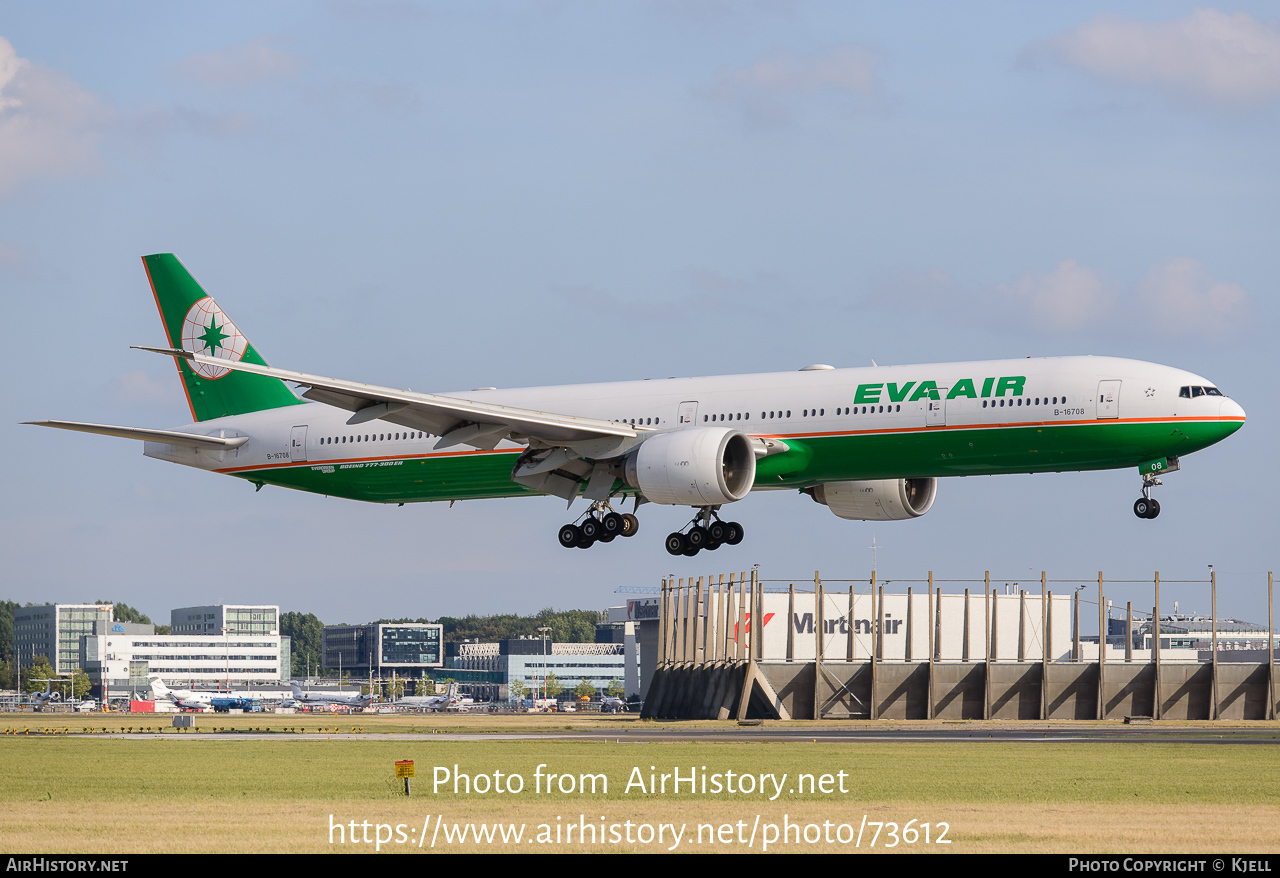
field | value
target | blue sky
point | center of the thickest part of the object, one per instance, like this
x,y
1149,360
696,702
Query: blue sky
x,y
444,196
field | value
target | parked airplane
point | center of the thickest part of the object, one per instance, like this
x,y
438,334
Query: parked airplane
x,y
187,699
48,696
434,702
868,443
329,698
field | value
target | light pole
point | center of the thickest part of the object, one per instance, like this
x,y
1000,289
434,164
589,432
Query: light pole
x,y
543,631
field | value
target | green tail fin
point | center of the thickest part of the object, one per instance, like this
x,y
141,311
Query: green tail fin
x,y
194,322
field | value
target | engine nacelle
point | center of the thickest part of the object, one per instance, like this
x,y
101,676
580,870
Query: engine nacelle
x,y
702,467
879,500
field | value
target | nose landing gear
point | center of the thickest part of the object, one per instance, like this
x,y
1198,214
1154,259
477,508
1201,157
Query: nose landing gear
x,y
706,531
600,524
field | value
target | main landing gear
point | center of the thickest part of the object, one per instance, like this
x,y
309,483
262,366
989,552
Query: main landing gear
x,y
600,524
1146,507
704,533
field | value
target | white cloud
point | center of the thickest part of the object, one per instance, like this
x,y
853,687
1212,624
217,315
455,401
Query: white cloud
x,y
10,66
1209,55
242,65
764,89
1178,297
1068,299
49,126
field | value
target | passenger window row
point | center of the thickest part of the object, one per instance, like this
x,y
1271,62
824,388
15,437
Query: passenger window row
x,y
805,413
370,437
872,409
1039,400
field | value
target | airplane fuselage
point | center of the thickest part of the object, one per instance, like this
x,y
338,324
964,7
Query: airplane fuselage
x,y
914,421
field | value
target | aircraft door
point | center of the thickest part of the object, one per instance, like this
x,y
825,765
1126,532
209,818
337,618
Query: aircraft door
x,y
935,410
1109,399
687,415
298,444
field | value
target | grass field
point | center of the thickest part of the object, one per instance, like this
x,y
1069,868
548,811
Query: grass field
x,y
219,792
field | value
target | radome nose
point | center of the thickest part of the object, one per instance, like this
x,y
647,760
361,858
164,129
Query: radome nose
x,y
1230,410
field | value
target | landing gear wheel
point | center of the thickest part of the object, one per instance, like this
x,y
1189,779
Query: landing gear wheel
x,y
1155,508
606,537
712,545
591,528
691,551
676,543
612,524
697,537
1142,507
716,530
733,533
570,536
630,524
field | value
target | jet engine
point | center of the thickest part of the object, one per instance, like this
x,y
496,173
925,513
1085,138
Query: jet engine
x,y
702,467
879,500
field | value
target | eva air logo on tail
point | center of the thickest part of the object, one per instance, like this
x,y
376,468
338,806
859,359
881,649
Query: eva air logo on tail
x,y
206,330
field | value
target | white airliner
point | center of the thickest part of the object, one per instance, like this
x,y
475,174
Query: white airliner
x,y
868,443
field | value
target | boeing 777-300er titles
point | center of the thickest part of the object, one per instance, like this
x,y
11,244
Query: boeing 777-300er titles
x,y
868,443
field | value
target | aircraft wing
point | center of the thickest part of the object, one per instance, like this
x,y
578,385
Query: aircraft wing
x,y
456,421
174,437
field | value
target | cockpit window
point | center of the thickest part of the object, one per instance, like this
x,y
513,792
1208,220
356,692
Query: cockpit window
x,y
1188,392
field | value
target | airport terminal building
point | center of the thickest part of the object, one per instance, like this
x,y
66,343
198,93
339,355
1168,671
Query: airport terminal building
x,y
219,645
54,631
122,660
407,649
235,619
530,660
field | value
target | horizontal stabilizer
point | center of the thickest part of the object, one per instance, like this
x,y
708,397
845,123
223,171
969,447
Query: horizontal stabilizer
x,y
173,437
